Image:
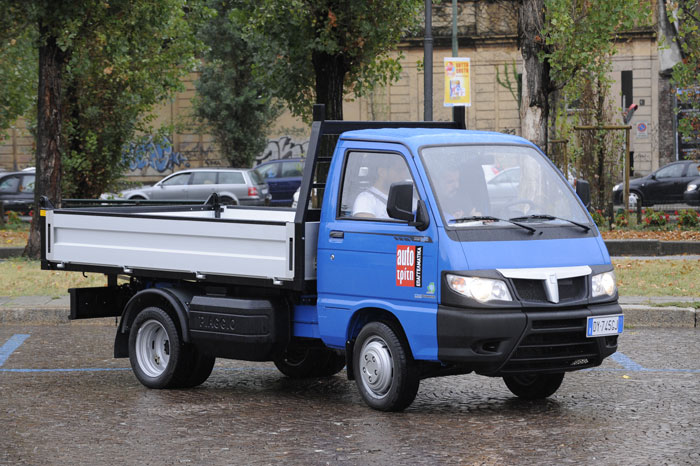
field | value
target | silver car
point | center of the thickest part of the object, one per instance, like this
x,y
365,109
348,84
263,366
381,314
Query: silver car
x,y
235,186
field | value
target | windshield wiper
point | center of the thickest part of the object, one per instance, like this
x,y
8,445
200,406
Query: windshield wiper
x,y
495,219
552,217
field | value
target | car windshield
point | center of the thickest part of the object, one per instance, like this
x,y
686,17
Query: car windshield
x,y
255,176
478,185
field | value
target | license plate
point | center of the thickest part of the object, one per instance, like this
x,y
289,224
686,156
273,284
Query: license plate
x,y
604,325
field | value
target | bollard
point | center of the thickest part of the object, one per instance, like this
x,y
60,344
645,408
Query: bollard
x,y
2,214
639,212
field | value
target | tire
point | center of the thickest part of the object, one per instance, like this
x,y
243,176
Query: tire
x,y
385,372
198,369
157,356
300,362
225,200
533,386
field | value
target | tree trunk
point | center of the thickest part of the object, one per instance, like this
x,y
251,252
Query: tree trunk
x,y
330,77
534,110
48,135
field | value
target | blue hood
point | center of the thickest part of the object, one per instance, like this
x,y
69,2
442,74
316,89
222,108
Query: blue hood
x,y
481,255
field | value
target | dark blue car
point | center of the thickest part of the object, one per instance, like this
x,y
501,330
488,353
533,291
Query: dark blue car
x,y
284,178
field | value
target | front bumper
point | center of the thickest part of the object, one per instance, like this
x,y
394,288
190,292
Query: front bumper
x,y
504,342
692,197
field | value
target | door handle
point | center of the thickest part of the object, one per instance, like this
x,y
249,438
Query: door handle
x,y
337,234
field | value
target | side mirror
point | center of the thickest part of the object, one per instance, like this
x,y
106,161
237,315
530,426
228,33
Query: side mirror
x,y
652,176
583,189
400,206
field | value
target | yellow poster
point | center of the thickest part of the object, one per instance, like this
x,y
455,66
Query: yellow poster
x,y
457,87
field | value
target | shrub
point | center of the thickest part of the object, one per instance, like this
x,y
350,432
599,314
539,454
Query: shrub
x,y
653,218
688,218
622,219
599,218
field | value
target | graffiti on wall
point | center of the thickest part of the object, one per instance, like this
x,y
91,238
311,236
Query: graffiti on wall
x,y
283,148
154,154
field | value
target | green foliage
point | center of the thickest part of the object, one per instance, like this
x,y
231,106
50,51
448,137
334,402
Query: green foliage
x,y
231,99
599,218
579,45
622,219
513,84
18,73
329,47
125,57
652,218
580,35
688,219
685,16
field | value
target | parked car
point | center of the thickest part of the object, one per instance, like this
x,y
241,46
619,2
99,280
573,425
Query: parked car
x,y
17,190
244,186
691,196
664,186
284,178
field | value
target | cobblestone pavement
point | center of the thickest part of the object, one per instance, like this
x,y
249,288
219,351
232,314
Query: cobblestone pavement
x,y
64,400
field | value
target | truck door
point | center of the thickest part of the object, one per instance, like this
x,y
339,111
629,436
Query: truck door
x,y
368,260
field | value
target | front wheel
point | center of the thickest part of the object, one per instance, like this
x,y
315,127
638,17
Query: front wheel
x,y
533,386
385,372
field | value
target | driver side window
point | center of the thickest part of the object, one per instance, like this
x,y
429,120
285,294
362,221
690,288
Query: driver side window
x,y
672,171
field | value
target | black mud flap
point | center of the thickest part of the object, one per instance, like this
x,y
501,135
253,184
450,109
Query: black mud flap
x,y
101,301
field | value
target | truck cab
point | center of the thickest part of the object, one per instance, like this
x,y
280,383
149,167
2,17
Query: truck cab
x,y
502,289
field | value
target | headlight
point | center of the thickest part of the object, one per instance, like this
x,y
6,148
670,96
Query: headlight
x,y
604,284
692,187
481,289
617,187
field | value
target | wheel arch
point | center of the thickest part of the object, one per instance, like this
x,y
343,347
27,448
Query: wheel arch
x,y
173,301
233,197
362,317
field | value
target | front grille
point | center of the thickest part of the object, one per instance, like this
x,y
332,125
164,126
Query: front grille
x,y
555,344
570,289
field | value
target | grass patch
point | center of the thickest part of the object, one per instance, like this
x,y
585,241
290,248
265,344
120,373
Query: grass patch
x,y
14,236
658,277
22,277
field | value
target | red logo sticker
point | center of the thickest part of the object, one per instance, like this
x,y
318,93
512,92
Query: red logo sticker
x,y
409,266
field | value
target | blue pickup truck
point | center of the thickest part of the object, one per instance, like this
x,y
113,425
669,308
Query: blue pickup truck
x,y
397,264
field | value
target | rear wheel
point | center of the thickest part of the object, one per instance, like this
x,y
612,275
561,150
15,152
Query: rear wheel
x,y
385,372
533,386
225,200
155,351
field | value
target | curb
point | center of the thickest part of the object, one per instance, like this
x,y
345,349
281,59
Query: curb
x,y
636,316
651,247
6,253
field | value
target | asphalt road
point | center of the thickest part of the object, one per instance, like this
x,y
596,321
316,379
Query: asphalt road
x,y
64,400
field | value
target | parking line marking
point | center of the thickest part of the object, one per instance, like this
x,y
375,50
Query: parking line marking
x,y
10,346
626,362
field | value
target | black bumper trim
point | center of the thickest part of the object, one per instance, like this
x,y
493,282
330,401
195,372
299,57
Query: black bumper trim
x,y
503,342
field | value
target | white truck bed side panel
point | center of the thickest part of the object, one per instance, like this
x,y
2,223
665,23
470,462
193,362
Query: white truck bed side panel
x,y
206,247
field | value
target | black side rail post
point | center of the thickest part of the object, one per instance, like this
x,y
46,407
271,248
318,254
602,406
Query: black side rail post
x,y
321,127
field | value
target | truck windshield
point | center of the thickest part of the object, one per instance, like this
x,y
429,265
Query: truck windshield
x,y
478,185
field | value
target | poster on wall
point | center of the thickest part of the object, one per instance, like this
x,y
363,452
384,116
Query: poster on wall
x,y
457,85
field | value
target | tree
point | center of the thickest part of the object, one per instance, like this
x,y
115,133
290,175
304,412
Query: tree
x,y
559,39
18,70
101,65
126,56
231,99
685,16
326,48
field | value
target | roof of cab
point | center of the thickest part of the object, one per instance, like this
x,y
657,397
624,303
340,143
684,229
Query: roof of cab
x,y
416,138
